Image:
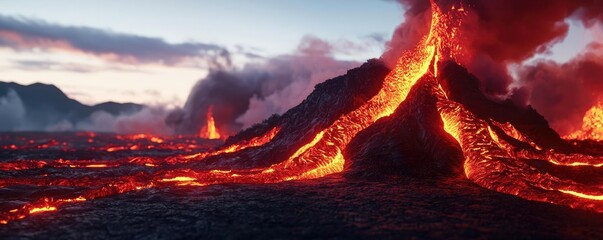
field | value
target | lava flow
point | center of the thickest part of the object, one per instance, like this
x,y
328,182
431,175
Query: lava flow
x,y
311,141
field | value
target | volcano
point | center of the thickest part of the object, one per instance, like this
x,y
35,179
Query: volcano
x,y
425,118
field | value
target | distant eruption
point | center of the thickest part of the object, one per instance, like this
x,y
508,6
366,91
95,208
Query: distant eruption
x,y
425,116
493,36
209,131
247,96
499,34
592,125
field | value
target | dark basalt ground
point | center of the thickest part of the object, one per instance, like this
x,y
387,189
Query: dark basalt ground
x,y
420,191
331,207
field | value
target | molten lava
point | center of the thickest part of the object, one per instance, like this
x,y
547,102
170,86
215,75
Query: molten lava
x,y
209,131
496,153
592,125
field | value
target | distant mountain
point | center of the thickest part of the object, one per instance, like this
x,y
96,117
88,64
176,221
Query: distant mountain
x,y
38,106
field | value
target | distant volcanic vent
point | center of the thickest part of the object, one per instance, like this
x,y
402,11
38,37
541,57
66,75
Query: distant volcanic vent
x,y
208,129
592,125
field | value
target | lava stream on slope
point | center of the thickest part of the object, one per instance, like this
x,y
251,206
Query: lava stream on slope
x,y
426,116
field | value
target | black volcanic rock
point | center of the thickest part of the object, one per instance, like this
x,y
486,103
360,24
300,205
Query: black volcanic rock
x,y
462,87
47,105
329,101
412,140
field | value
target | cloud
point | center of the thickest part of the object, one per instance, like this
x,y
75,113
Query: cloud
x,y
149,120
564,92
47,65
302,73
311,45
24,33
497,34
12,111
379,38
242,97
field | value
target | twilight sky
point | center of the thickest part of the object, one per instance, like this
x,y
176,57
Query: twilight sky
x,y
154,51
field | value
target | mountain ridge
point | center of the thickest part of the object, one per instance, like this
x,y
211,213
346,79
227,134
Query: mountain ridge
x,y
40,105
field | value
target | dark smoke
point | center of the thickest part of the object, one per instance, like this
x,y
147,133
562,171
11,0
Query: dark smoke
x,y
249,95
497,34
564,92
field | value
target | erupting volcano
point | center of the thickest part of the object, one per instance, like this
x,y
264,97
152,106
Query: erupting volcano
x,y
427,116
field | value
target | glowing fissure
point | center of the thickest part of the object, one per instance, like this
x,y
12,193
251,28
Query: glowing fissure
x,y
254,142
143,161
42,209
583,195
178,179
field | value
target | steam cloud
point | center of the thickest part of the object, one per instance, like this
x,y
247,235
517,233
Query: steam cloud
x,y
12,111
249,95
564,92
27,113
148,120
241,97
497,34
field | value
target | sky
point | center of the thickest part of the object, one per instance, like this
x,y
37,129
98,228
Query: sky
x,y
266,28
153,51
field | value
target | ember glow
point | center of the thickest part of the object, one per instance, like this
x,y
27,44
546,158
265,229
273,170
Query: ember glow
x,y
321,156
592,125
209,130
496,154
42,209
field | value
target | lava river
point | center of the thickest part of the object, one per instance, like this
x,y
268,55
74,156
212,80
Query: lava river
x,y
297,146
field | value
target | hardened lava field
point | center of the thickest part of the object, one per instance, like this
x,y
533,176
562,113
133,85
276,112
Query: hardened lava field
x,y
416,149
450,207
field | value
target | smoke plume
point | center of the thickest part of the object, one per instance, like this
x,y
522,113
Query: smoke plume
x,y
12,111
497,34
246,96
148,120
564,92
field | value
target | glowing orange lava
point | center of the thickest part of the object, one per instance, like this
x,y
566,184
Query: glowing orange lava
x,y
209,131
321,156
592,125
490,160
42,209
